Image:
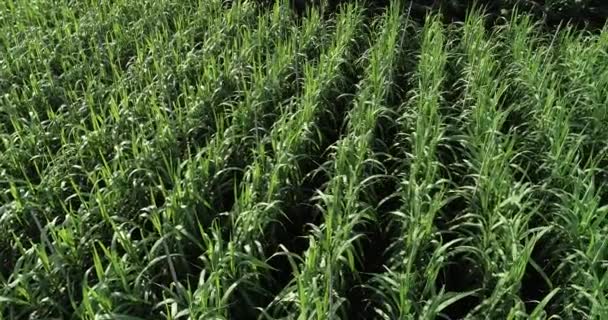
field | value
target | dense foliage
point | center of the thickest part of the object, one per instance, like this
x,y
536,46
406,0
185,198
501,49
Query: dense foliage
x,y
176,159
590,14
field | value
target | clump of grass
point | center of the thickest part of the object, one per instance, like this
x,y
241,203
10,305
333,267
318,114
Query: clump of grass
x,y
98,191
261,195
403,291
495,224
320,278
249,121
563,166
